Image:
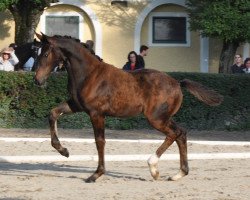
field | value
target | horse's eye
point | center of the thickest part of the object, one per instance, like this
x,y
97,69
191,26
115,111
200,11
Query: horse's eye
x,y
46,55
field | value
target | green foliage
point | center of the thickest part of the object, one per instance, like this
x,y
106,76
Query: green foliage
x,y
25,105
36,4
39,4
224,19
4,4
232,114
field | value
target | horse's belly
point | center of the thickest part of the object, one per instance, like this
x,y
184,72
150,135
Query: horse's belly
x,y
115,108
124,110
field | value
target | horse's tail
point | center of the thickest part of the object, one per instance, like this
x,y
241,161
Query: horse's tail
x,y
204,94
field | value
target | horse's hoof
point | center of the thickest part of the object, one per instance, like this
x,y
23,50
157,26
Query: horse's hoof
x,y
154,172
64,152
156,175
90,180
177,176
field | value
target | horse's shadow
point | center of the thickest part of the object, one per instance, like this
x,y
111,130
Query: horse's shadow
x,y
37,169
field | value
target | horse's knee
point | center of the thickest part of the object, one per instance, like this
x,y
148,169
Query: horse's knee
x,y
53,115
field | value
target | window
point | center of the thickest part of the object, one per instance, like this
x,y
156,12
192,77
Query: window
x,y
169,29
62,25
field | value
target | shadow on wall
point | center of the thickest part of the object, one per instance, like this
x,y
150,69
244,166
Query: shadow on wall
x,y
119,15
5,24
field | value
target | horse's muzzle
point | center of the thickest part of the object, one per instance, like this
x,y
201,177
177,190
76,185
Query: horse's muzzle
x,y
37,82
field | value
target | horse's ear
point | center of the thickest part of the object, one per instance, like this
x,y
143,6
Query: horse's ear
x,y
40,37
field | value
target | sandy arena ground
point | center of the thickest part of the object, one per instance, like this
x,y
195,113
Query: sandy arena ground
x,y
209,179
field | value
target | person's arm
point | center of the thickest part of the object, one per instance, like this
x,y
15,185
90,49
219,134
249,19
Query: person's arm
x,y
13,60
126,67
1,60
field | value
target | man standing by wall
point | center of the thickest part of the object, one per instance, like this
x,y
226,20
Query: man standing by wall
x,y
143,52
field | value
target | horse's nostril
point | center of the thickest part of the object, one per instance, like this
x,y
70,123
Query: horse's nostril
x,y
36,81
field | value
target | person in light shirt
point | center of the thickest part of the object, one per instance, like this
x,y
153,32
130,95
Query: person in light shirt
x,y
8,59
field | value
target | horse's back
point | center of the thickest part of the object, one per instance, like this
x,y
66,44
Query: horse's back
x,y
115,92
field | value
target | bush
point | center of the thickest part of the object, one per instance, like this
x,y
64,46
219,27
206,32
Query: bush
x,y
25,105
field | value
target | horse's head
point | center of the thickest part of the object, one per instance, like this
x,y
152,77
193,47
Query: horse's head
x,y
50,56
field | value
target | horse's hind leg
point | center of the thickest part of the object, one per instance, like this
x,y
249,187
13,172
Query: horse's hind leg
x,y
98,126
173,133
54,114
181,141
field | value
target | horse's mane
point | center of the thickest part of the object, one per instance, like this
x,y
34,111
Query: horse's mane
x,y
67,37
78,41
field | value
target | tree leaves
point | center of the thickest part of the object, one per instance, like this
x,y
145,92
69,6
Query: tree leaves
x,y
224,19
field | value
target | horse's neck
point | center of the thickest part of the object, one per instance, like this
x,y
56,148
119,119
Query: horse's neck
x,y
78,70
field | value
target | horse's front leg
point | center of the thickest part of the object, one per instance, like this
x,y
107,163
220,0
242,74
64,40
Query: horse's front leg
x,y
54,114
98,126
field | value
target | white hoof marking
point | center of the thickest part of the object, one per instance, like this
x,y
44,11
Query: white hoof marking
x,y
153,160
177,176
153,168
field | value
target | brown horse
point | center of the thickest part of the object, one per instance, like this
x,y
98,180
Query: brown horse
x,y
100,90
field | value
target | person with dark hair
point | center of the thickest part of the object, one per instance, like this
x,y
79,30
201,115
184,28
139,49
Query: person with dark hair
x,y
13,45
132,63
237,67
143,52
247,65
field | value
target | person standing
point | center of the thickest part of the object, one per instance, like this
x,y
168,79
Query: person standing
x,y
8,59
247,66
143,52
238,67
29,64
132,63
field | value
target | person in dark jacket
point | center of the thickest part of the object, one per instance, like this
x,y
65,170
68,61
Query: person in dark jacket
x,y
247,65
132,63
143,53
238,67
